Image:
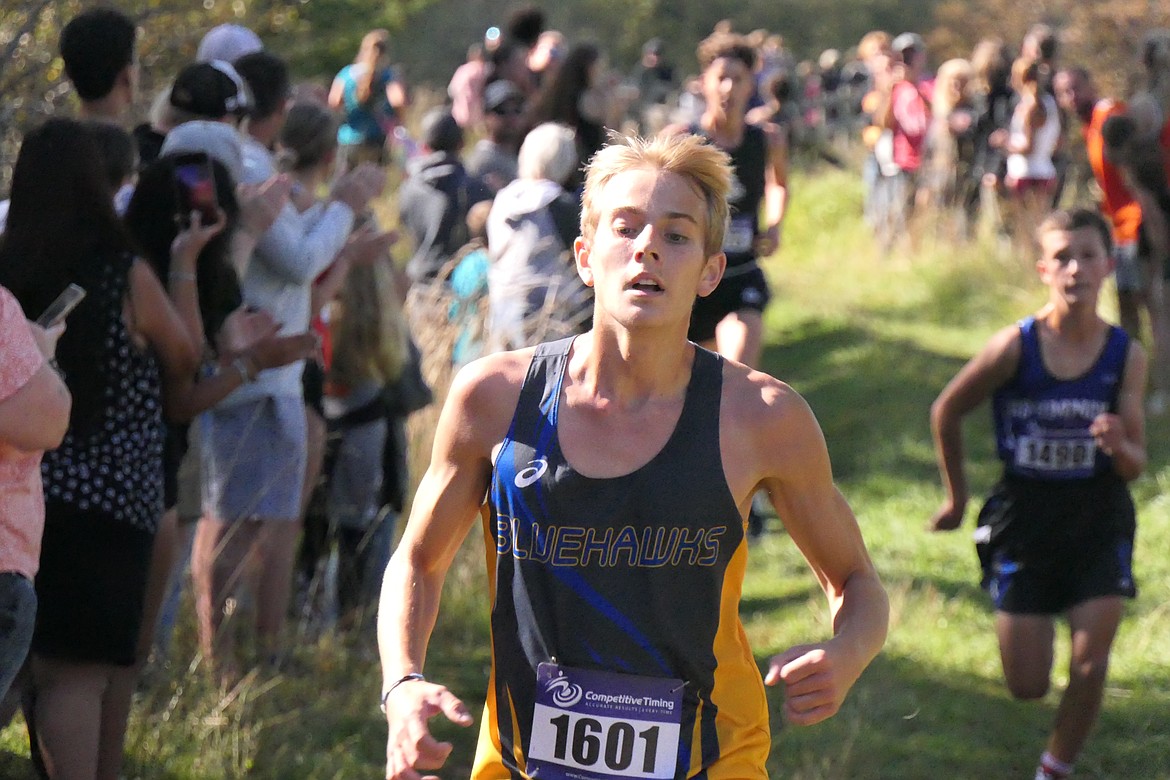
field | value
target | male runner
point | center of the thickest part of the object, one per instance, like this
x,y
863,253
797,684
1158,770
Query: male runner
x,y
617,469
1077,94
730,320
1056,535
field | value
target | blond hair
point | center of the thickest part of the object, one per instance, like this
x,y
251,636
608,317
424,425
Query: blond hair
x,y
373,46
705,167
951,85
369,332
872,44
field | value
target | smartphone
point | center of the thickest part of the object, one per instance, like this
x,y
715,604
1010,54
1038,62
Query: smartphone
x,y
195,188
59,309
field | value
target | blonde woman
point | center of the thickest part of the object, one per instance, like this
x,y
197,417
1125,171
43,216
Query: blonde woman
x,y
948,141
1030,141
369,347
367,438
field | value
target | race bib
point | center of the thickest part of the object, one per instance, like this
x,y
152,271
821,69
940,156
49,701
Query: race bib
x,y
590,725
1040,453
740,236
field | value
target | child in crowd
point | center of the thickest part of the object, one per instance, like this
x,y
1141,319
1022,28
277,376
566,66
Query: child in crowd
x,y
1056,535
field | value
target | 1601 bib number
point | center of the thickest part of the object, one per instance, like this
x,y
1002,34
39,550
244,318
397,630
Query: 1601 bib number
x,y
618,745
595,725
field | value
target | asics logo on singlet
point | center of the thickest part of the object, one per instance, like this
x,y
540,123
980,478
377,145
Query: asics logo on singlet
x,y
534,471
564,693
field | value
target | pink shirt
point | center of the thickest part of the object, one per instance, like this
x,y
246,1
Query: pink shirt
x,y
911,121
22,504
466,92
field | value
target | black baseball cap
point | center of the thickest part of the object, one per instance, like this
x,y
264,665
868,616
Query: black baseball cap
x,y
499,92
440,131
210,89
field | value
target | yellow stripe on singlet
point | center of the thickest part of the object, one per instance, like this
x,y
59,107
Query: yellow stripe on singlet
x,y
742,719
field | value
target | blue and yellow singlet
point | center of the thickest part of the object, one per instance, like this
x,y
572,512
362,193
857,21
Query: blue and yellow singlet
x,y
606,592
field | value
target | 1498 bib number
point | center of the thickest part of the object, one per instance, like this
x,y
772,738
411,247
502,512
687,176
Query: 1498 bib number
x,y
1044,454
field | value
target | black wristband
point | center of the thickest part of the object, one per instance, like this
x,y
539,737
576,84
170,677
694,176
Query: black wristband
x,y
404,678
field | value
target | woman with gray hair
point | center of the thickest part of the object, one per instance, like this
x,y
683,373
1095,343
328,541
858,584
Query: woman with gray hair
x,y
534,294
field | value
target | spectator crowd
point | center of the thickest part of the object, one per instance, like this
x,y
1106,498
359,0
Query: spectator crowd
x,y
229,398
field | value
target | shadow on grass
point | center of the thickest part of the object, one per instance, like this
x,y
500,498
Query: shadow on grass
x,y
16,767
871,394
345,740
761,605
965,586
925,724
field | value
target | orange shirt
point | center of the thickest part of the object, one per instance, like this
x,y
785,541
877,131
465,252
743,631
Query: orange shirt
x,y
1117,204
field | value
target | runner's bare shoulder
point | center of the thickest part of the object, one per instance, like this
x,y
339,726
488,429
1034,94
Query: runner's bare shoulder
x,y
765,414
485,391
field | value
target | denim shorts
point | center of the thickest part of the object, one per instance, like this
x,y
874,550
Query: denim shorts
x,y
253,459
1128,271
18,614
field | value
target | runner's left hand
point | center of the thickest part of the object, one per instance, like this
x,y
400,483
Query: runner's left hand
x,y
1109,431
815,682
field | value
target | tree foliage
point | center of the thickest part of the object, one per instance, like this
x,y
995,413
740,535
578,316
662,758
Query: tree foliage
x,y
1101,35
32,77
430,37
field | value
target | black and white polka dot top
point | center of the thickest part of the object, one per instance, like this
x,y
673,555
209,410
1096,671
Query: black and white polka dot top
x,y
111,462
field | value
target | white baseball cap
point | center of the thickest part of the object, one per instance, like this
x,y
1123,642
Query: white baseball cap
x,y
228,42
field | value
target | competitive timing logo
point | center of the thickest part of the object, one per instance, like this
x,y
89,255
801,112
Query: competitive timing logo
x,y
564,693
532,472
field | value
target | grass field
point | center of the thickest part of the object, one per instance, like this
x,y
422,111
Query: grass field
x,y
869,341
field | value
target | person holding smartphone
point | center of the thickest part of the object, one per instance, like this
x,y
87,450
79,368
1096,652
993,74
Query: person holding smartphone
x,y
238,342
126,345
34,412
255,441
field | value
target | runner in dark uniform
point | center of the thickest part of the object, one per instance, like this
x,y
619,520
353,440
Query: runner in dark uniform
x,y
730,320
744,287
593,569
1056,536
617,469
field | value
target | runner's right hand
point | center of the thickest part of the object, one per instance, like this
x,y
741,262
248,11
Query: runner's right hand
x,y
947,518
409,745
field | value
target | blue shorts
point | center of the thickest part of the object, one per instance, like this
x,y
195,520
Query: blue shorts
x,y
253,459
1128,268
